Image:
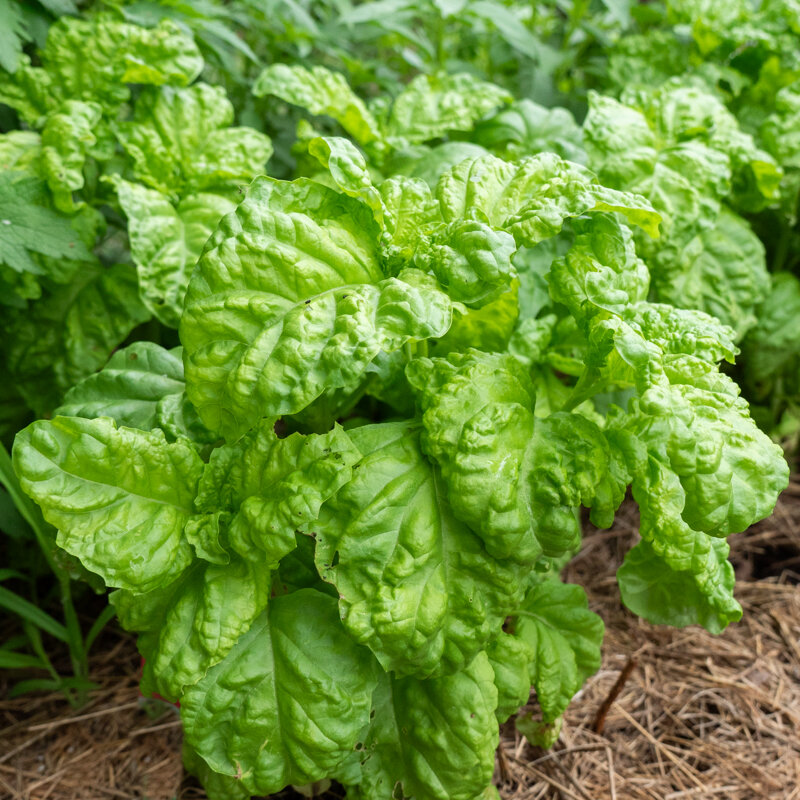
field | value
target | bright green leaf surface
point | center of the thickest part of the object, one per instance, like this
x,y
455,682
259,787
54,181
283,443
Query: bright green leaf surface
x,y
67,138
181,141
415,585
531,199
320,91
513,478
434,738
119,497
266,488
192,624
288,702
565,639
166,241
432,105
284,305
141,386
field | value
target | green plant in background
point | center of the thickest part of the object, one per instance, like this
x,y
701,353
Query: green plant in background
x,y
169,160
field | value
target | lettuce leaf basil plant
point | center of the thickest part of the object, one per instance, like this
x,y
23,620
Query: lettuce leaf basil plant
x,y
366,601
335,506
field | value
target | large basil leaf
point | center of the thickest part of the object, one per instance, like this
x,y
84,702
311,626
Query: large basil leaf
x,y
289,300
166,241
415,585
141,386
433,739
192,624
290,700
181,141
255,493
532,198
119,497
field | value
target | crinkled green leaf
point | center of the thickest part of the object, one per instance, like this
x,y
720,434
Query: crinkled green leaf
x,y
415,585
564,638
265,488
531,199
348,169
289,300
192,624
723,272
67,138
28,92
119,497
289,701
510,657
434,739
681,111
681,152
600,271
630,341
620,144
723,473
684,180
514,479
652,57
320,91
410,211
471,261
113,53
166,241
141,386
658,587
432,105
181,141
685,211
116,53
781,137
531,339
678,331
525,128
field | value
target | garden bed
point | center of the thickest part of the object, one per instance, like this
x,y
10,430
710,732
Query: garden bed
x,y
697,717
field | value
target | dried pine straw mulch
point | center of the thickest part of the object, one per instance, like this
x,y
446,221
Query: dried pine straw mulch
x,y
110,748
696,716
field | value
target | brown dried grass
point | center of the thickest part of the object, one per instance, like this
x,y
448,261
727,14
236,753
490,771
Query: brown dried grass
x,y
698,716
118,746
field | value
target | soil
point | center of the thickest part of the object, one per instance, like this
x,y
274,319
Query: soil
x,y
682,714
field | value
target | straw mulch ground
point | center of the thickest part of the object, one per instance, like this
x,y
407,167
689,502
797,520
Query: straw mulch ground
x,y
111,748
696,716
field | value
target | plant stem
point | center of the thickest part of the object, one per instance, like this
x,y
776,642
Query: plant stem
x,y
586,387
